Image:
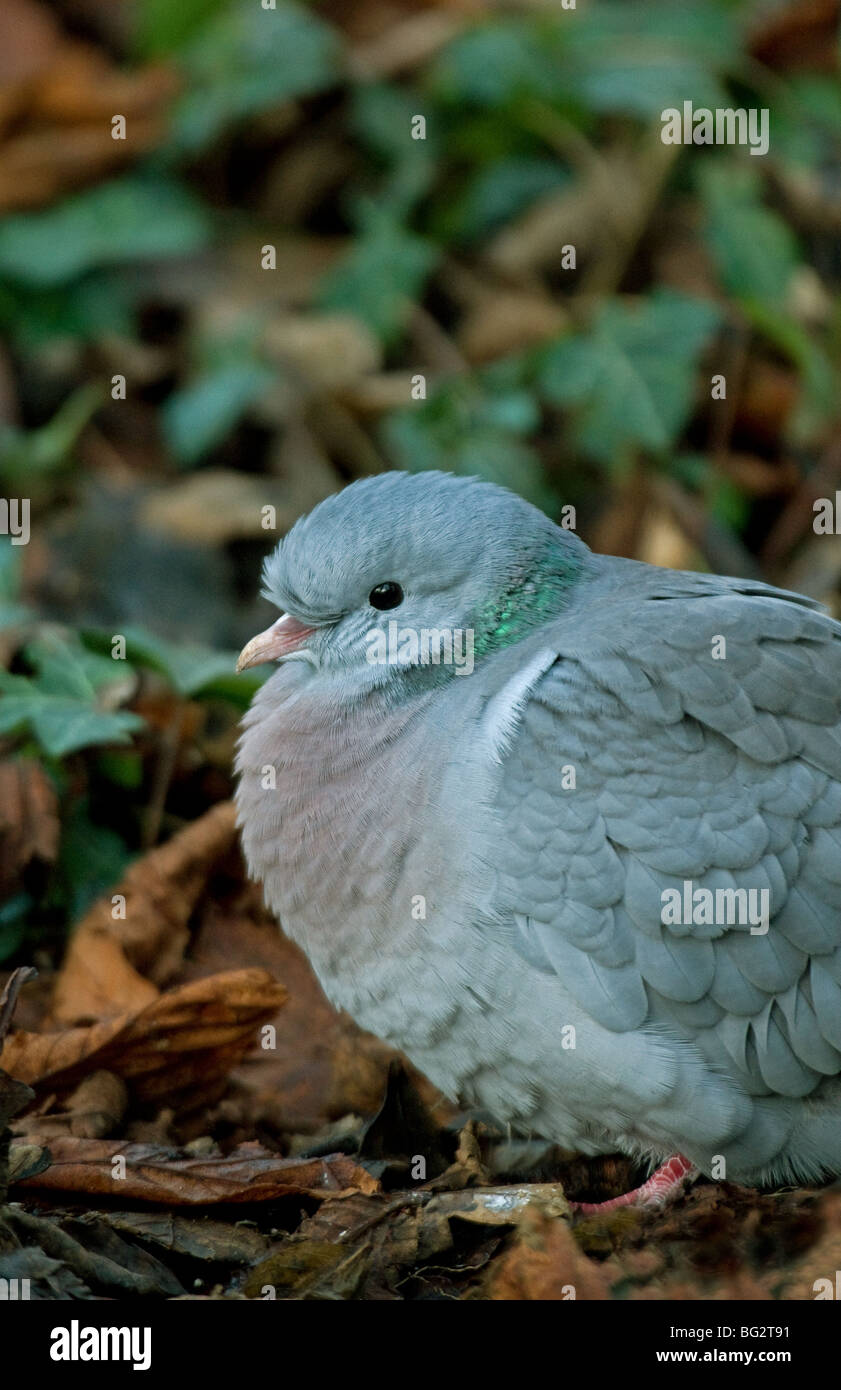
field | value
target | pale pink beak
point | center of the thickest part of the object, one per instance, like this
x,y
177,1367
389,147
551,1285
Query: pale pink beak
x,y
285,636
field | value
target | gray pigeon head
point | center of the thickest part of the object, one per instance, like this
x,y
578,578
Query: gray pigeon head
x,y
418,553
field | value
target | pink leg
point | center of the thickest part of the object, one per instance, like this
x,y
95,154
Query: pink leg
x,y
662,1184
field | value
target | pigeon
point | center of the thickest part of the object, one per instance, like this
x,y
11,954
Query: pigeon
x,y
564,828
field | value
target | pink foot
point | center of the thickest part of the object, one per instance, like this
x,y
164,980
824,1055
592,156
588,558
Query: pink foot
x,y
662,1185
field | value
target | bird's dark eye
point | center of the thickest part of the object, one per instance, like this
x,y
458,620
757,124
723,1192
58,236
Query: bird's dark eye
x,y
386,595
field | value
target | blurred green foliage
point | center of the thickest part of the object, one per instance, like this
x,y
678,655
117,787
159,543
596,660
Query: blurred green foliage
x,y
237,64
491,99
132,219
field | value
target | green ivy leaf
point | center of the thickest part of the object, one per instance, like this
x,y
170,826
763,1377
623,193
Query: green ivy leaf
x,y
465,429
381,117
131,219
754,250
67,668
609,58
191,671
638,59
501,190
60,724
382,276
202,414
247,59
807,125
495,63
124,769
629,382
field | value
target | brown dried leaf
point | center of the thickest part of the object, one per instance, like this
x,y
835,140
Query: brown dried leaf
x,y
801,36
184,1043
41,164
29,40
83,86
13,1094
508,1205
215,506
296,1268
62,95
501,323
545,1263
195,1237
769,395
330,351
97,1105
29,824
249,1173
113,967
92,1250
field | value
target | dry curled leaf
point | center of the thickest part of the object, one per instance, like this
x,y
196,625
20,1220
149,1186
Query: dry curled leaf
x,y
29,825
95,1110
151,1173
193,1237
184,1043
14,1095
116,965
544,1263
214,507
97,1105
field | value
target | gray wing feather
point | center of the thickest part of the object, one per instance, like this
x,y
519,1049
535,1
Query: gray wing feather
x,y
726,773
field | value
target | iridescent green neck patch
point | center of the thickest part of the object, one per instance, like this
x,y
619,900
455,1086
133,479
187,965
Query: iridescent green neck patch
x,y
538,594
